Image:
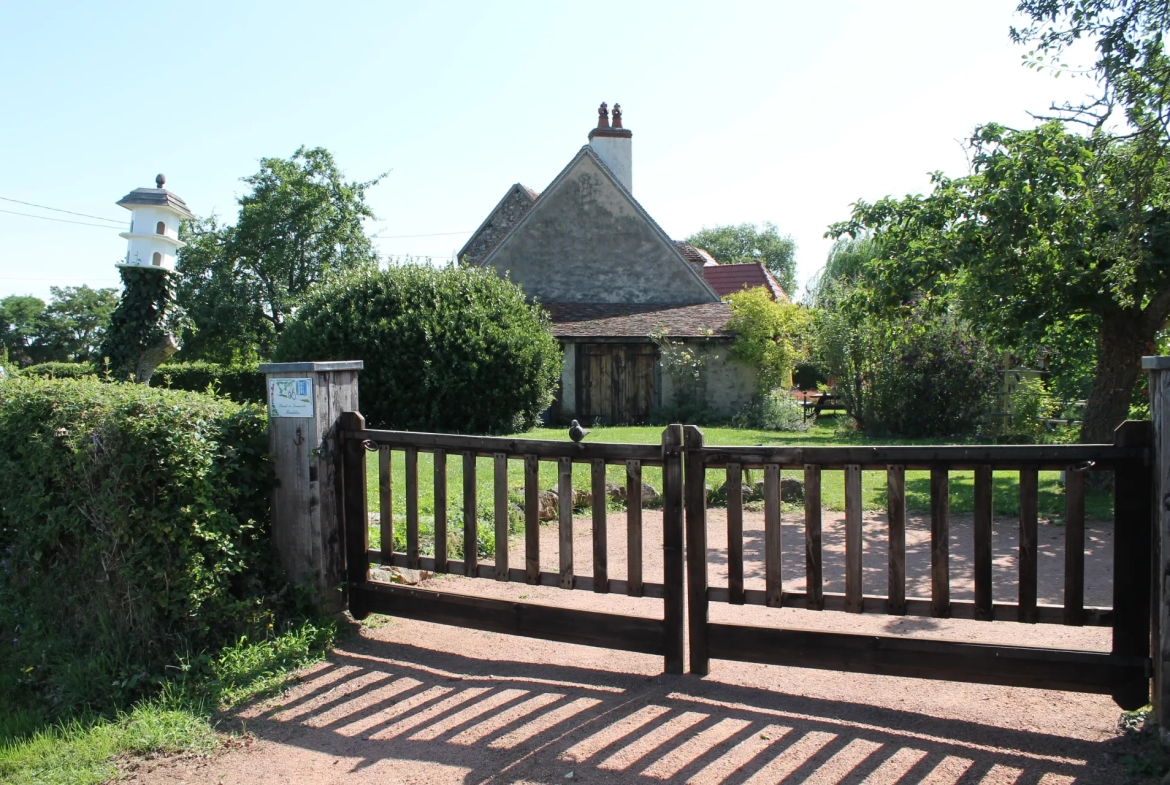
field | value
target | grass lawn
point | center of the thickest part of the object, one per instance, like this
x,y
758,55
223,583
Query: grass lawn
x,y
1098,504
81,750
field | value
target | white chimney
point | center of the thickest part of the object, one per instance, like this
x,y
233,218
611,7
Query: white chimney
x,y
613,145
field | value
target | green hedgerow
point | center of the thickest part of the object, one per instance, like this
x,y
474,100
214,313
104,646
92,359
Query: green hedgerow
x,y
242,384
452,349
134,533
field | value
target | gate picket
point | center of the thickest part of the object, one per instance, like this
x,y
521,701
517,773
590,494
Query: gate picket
x,y
1120,672
634,527
735,533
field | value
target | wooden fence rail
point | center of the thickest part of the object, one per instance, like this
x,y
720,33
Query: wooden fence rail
x,y
663,636
1122,672
685,461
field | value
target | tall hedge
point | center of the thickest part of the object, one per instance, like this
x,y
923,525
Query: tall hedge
x,y
449,349
134,531
242,383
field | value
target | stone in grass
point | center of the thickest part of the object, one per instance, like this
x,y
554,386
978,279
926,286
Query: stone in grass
x,y
399,575
549,507
650,497
717,497
615,493
791,489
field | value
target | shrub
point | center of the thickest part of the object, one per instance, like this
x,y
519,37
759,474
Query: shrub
x,y
59,370
777,411
768,335
242,384
685,363
133,534
451,349
918,375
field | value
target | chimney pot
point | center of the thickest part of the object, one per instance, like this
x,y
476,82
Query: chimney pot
x,y
603,116
612,144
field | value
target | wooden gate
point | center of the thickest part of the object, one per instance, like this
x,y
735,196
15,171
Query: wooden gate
x,y
631,633
617,383
1123,672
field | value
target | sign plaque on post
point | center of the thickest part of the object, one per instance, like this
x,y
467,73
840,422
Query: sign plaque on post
x,y
290,397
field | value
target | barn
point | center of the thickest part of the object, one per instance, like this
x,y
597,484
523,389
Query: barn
x,y
611,279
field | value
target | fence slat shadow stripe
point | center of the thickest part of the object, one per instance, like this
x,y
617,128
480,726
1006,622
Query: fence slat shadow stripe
x,y
1120,673
422,730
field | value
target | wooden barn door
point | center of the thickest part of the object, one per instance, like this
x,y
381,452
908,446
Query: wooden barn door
x,y
617,383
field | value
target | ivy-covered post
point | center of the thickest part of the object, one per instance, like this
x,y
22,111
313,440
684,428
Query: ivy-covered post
x,y
146,327
305,403
148,324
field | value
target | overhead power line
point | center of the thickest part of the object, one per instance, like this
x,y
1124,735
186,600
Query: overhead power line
x,y
406,236
59,220
59,210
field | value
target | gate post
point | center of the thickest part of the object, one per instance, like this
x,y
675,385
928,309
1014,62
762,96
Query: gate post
x,y
1159,368
305,401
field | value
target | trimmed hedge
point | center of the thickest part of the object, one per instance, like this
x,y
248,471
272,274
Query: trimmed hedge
x,y
450,349
59,370
242,384
134,533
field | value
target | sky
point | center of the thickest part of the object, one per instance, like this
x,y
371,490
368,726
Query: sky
x,y
776,111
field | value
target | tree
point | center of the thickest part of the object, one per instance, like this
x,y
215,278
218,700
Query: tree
x,y
748,243
19,326
300,225
445,349
72,327
848,258
1132,69
1041,238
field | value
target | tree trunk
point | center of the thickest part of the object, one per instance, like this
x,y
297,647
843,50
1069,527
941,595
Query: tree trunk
x,y
1120,346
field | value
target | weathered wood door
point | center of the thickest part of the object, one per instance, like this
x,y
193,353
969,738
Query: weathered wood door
x,y
617,383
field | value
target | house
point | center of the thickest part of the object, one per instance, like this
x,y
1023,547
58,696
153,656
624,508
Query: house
x,y
611,278
728,279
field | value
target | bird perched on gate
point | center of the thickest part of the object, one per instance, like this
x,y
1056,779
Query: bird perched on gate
x,y
576,432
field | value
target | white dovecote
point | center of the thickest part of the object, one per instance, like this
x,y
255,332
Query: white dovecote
x,y
614,145
153,239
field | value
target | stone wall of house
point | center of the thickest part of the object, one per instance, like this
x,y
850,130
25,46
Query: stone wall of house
x,y
586,241
729,384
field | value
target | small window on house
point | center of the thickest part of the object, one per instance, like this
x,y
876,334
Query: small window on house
x,y
156,260
161,228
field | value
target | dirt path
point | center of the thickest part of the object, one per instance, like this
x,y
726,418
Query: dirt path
x,y
410,702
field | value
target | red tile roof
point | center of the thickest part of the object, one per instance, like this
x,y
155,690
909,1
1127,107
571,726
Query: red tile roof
x,y
727,279
630,320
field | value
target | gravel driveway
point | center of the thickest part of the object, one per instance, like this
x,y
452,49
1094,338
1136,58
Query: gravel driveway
x,y
411,702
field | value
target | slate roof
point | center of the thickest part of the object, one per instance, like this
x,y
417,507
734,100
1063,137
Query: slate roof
x,y
587,150
629,320
498,223
727,279
696,256
156,197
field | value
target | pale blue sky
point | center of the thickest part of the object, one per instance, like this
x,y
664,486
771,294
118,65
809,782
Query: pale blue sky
x,y
741,111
